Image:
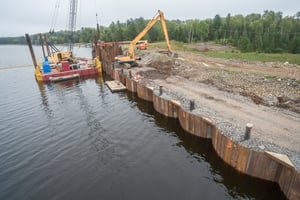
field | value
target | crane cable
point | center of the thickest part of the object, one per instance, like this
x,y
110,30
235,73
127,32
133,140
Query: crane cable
x,y
55,15
80,15
97,21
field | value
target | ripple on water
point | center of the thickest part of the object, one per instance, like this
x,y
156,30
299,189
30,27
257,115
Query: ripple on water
x,y
77,140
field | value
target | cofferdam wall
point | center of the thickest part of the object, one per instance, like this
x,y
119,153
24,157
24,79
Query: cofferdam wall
x,y
264,165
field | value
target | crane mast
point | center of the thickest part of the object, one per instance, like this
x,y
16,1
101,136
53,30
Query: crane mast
x,y
72,22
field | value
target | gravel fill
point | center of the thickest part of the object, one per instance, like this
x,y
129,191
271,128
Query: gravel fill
x,y
269,92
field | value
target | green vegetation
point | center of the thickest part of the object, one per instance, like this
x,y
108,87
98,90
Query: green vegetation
x,y
270,32
233,54
263,57
266,33
13,40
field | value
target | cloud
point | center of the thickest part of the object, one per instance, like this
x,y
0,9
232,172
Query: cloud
x,y
18,17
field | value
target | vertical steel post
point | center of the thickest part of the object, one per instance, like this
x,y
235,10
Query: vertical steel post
x,y
249,127
47,45
42,44
31,49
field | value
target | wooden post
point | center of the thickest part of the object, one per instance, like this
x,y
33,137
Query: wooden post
x,y
31,49
47,46
42,44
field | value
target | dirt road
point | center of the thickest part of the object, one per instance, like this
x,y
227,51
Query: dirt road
x,y
233,93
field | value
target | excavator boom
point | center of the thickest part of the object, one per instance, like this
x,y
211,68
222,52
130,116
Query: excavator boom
x,y
130,58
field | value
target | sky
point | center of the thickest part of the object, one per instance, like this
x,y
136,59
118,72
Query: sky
x,y
18,17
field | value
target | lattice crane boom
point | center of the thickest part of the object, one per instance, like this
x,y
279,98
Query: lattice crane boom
x,y
72,22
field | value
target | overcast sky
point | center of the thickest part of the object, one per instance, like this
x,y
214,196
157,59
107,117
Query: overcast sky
x,y
18,17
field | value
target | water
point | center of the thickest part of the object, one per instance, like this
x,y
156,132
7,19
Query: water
x,y
77,140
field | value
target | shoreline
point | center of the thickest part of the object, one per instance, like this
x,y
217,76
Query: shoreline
x,y
259,161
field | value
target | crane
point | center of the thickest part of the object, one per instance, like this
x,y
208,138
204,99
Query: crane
x,y
72,22
56,56
130,56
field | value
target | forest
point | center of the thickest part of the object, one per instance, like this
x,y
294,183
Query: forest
x,y
270,32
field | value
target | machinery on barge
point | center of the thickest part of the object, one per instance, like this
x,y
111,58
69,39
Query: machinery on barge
x,y
60,65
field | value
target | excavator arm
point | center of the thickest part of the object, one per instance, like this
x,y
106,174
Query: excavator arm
x,y
130,58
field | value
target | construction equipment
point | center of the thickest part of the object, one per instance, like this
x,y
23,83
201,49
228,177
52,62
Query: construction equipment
x,y
54,54
72,22
130,56
142,45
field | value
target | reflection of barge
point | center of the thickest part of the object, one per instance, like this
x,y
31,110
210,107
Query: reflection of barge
x,y
62,65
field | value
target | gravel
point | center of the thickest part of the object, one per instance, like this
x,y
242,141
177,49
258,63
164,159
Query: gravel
x,y
281,95
230,127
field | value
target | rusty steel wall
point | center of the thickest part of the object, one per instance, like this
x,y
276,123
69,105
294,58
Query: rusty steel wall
x,y
131,85
245,160
195,125
115,75
106,52
122,77
166,107
294,191
144,92
267,167
285,177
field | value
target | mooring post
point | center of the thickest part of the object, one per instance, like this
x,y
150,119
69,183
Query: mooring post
x,y
249,127
192,105
31,49
160,90
47,44
42,44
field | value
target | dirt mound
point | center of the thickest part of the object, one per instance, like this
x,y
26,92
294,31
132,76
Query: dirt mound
x,y
162,66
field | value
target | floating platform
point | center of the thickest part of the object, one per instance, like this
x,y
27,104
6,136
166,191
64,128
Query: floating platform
x,y
115,86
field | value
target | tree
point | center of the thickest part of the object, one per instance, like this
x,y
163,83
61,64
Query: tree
x,y
216,25
244,42
267,32
294,45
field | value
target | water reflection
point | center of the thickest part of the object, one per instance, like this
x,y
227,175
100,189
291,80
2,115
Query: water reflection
x,y
99,142
44,99
239,186
122,152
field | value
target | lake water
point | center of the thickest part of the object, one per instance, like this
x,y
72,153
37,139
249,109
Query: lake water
x,y
77,140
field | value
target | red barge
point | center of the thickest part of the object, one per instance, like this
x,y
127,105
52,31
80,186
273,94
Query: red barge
x,y
62,65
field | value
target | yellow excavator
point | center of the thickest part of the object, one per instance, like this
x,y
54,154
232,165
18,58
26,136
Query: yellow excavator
x,y
130,56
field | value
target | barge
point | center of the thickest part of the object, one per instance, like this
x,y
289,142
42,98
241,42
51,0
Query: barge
x,y
62,65
65,70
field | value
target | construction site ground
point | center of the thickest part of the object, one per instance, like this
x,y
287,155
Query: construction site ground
x,y
232,93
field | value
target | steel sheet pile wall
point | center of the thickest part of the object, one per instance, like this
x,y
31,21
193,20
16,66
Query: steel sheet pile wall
x,y
116,75
169,108
293,190
144,92
196,125
131,85
107,52
253,163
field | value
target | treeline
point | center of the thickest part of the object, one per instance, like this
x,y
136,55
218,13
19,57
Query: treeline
x,y
13,40
268,32
85,35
